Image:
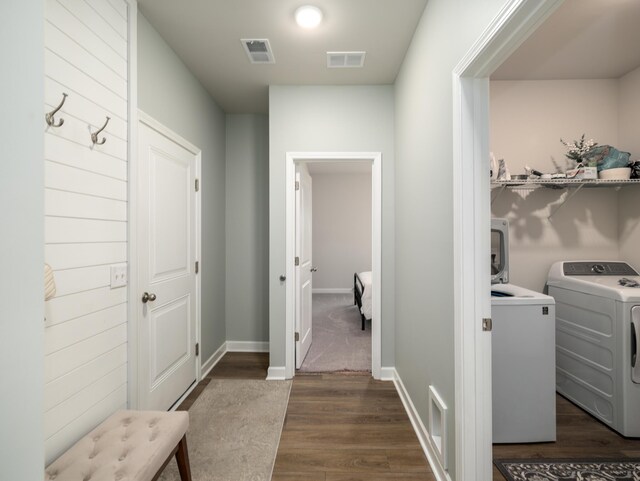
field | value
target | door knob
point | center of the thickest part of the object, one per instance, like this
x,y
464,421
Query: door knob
x,y
314,269
146,297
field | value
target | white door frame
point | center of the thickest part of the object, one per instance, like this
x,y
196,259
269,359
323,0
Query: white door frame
x,y
132,199
471,216
135,326
376,249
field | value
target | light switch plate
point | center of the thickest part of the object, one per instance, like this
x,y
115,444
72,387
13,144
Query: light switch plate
x,y
118,275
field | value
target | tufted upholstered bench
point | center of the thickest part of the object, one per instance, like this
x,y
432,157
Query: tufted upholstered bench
x,y
128,446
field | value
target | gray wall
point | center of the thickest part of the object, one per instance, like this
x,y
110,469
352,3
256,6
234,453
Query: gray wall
x,y
341,228
629,137
170,93
424,203
247,228
528,118
338,119
628,108
22,239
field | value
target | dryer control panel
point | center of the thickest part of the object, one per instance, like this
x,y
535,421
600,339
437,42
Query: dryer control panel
x,y
604,268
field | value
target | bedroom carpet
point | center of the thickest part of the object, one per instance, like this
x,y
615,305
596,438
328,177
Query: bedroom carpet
x,y
234,430
339,343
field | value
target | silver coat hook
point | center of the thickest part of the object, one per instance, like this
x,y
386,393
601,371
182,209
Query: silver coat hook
x,y
49,117
94,135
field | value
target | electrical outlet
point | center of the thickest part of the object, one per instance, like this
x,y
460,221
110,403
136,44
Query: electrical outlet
x,y
118,275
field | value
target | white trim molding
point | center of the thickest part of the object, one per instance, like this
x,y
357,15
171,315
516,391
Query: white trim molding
x,y
231,346
276,373
132,200
471,230
334,290
210,363
247,346
375,158
387,373
421,431
159,127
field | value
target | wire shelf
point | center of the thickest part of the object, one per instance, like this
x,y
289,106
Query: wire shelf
x,y
562,183
571,185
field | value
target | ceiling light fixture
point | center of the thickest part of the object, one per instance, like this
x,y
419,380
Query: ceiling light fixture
x,y
308,16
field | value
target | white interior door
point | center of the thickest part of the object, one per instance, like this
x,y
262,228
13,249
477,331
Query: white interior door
x,y
304,265
167,296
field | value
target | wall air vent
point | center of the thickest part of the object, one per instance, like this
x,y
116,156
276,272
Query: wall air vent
x,y
345,59
258,50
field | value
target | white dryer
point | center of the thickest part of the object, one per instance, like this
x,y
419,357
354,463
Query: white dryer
x,y
597,336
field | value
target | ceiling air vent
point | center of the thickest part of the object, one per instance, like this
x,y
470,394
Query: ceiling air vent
x,y
258,50
345,59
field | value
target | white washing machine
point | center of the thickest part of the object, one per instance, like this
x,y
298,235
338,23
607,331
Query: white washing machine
x,y
597,336
523,365
522,354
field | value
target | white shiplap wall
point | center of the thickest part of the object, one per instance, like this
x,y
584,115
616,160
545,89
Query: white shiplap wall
x,y
85,217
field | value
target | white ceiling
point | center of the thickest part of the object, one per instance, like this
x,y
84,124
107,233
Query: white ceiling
x,y
206,36
583,39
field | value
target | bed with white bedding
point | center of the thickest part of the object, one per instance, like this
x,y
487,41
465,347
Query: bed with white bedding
x,y
362,295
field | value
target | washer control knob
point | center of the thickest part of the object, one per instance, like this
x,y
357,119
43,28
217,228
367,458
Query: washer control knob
x,y
597,268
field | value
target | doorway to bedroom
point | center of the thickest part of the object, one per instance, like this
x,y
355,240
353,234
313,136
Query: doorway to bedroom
x,y
312,263
334,248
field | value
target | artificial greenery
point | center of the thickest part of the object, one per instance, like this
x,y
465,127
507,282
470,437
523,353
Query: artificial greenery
x,y
578,149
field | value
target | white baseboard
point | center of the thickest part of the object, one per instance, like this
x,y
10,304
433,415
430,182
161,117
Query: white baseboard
x,y
209,364
387,373
247,346
423,435
336,290
276,373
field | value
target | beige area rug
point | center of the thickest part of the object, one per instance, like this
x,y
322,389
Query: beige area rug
x,y
234,430
338,342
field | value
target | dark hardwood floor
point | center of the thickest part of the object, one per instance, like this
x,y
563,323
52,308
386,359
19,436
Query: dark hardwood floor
x,y
350,428
578,435
233,365
347,427
338,427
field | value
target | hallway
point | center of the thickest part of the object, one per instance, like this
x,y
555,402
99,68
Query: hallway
x,y
338,427
347,427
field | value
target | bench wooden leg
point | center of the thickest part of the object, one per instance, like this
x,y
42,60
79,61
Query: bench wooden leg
x,y
182,457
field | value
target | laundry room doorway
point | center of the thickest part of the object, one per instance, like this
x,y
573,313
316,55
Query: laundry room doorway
x,y
471,230
573,238
494,80
300,251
